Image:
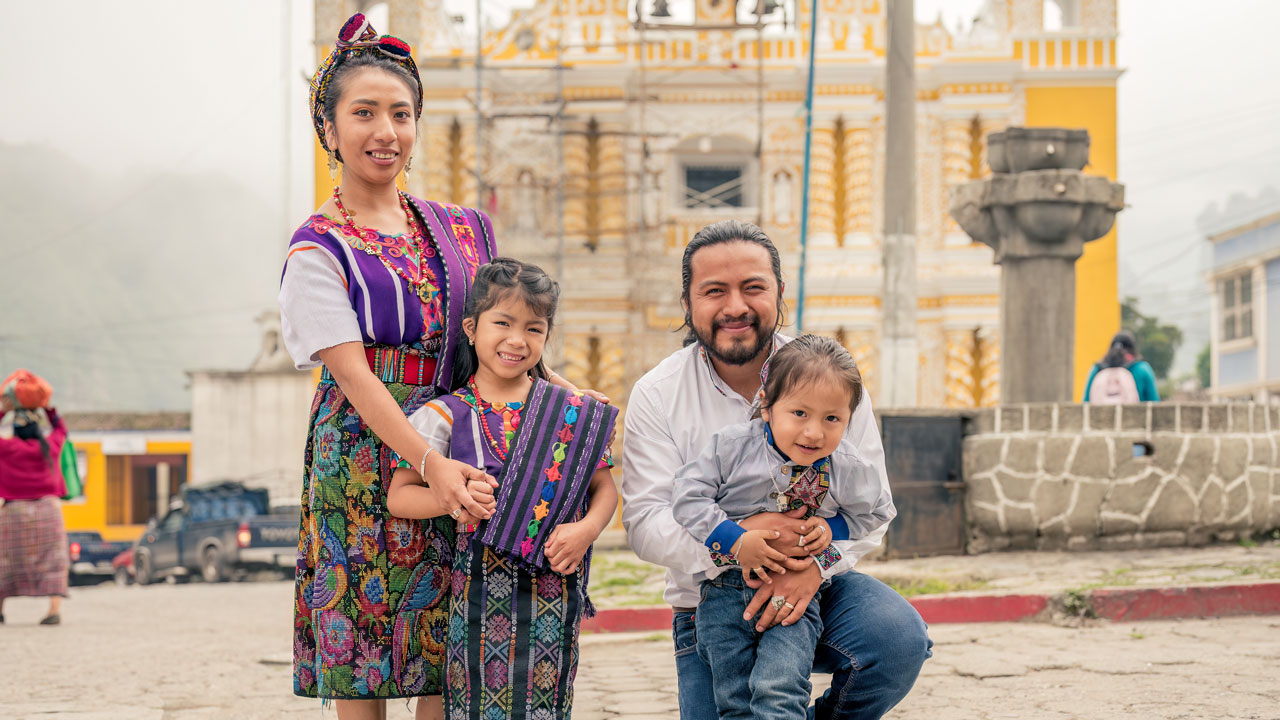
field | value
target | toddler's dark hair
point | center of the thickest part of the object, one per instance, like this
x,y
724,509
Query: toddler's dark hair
x,y
496,281
809,358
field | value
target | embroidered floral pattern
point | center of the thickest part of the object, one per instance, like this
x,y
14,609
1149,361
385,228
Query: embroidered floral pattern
x,y
465,234
540,510
808,488
370,621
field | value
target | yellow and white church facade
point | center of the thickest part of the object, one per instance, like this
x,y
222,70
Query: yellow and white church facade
x,y
605,142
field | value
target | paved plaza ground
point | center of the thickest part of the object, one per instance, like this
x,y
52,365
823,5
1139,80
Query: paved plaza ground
x,y
189,652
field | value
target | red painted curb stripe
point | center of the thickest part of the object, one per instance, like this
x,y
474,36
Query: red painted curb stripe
x,y
983,608
979,608
629,620
1196,601
1119,605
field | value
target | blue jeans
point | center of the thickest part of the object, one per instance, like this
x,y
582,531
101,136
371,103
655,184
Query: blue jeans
x,y
754,674
873,643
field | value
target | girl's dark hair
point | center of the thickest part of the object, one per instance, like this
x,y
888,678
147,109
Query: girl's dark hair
x,y
809,358
725,231
26,426
1123,351
496,281
367,59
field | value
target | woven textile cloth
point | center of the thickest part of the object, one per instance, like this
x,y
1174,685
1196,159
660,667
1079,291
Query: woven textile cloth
x,y
513,638
33,549
371,594
561,439
513,629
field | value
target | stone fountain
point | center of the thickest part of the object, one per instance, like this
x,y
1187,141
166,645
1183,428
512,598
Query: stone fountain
x,y
1037,210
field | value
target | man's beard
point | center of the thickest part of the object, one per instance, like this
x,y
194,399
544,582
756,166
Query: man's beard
x,y
737,353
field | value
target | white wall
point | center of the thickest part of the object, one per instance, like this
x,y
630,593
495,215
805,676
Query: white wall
x,y
251,427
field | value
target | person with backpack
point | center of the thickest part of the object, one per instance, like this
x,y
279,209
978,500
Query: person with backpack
x,y
1121,376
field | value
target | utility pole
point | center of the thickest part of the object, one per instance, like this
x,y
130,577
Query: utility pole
x,y
808,146
899,354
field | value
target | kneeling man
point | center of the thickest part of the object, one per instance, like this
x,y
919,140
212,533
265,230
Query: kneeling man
x,y
872,641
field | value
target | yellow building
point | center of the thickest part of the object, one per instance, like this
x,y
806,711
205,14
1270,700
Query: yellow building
x,y
131,464
607,140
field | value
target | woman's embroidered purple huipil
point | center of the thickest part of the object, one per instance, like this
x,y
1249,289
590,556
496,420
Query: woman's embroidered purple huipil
x,y
340,286
371,599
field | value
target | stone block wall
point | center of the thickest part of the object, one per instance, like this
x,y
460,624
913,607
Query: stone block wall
x,y
1059,476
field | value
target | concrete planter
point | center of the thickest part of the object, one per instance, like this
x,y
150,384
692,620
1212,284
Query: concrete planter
x,y
1019,149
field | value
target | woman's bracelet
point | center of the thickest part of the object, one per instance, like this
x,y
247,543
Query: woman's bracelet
x,y
422,468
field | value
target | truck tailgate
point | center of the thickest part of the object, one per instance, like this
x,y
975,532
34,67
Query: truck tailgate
x,y
269,531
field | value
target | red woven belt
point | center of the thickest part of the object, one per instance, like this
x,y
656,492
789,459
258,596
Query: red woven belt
x,y
397,365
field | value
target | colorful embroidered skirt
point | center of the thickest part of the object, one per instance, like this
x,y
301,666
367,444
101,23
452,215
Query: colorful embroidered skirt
x,y
33,549
513,638
371,602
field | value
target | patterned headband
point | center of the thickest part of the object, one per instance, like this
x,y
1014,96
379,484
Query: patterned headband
x,y
356,38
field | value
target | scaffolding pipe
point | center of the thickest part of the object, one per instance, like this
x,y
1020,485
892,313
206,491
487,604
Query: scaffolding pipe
x,y
479,111
560,194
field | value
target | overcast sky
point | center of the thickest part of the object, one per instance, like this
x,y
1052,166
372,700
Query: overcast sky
x,y
166,86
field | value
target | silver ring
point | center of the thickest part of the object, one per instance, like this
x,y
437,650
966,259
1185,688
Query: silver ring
x,y
789,606
455,513
777,601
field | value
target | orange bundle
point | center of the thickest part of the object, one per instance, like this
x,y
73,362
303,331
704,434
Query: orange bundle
x,y
26,390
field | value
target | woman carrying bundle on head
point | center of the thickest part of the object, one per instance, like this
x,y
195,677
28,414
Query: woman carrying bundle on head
x,y
33,542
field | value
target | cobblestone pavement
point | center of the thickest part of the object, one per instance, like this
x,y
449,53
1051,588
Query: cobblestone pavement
x,y
198,651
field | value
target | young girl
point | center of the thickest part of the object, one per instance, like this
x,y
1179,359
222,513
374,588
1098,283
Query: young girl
x,y
519,578
791,457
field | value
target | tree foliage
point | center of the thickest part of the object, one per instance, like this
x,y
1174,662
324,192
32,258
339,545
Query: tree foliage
x,y
1202,367
1157,343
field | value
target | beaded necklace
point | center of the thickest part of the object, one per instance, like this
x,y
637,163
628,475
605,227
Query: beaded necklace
x,y
414,242
481,407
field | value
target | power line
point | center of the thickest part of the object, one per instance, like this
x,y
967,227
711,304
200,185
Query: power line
x,y
1190,172
1247,111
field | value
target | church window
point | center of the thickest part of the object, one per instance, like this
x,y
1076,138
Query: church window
x,y
716,173
713,186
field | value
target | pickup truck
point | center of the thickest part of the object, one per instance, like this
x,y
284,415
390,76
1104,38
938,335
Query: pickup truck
x,y
91,555
217,532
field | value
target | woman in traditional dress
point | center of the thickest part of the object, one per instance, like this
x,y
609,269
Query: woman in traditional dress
x,y
373,288
33,542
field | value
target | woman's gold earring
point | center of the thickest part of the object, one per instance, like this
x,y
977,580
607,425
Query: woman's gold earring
x,y
333,166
